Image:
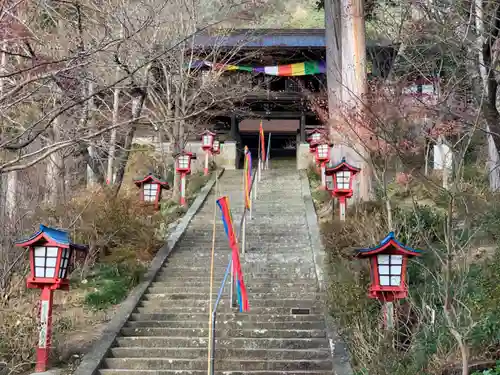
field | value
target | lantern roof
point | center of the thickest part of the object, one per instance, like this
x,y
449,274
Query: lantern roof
x,y
150,177
184,152
316,130
54,236
342,166
207,132
389,242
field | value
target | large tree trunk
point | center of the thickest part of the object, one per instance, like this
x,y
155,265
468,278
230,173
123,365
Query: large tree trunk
x,y
486,65
354,88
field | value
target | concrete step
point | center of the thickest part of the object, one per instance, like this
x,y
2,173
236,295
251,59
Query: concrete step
x,y
228,343
204,372
222,353
222,365
262,280
160,300
148,307
221,324
229,317
221,332
167,294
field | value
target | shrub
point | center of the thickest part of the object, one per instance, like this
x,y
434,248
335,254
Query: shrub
x,y
111,284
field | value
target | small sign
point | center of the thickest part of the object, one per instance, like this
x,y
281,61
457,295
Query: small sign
x,y
44,321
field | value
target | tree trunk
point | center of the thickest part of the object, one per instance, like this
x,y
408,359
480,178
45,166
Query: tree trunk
x,y
354,86
55,167
112,140
486,66
137,105
91,176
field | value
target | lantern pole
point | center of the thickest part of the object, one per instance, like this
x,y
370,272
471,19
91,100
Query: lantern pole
x,y
389,315
45,332
205,170
323,175
342,207
183,188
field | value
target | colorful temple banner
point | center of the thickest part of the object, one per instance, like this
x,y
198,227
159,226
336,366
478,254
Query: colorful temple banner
x,y
290,70
262,143
247,170
227,220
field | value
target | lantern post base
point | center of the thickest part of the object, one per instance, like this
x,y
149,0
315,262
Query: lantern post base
x,y
45,332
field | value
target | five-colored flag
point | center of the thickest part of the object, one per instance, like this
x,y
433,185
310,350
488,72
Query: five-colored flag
x,y
227,220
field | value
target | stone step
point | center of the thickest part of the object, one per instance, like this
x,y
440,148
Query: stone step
x,y
221,332
159,299
148,307
229,343
204,372
255,286
249,281
166,294
222,353
237,324
222,365
259,279
229,317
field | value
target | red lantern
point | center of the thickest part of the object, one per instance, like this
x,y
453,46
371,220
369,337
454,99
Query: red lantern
x,y
388,261
183,166
342,176
322,153
315,137
50,254
183,162
151,187
207,143
207,140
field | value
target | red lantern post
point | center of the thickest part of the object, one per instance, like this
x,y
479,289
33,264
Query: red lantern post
x,y
342,175
388,262
183,167
207,142
151,187
50,254
323,157
314,138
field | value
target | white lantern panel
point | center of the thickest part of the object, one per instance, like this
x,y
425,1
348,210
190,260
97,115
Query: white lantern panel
x,y
390,269
52,251
395,280
150,191
183,162
63,268
207,140
329,182
323,151
316,137
45,261
343,180
385,280
383,259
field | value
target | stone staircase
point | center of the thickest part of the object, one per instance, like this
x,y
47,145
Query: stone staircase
x,y
284,332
